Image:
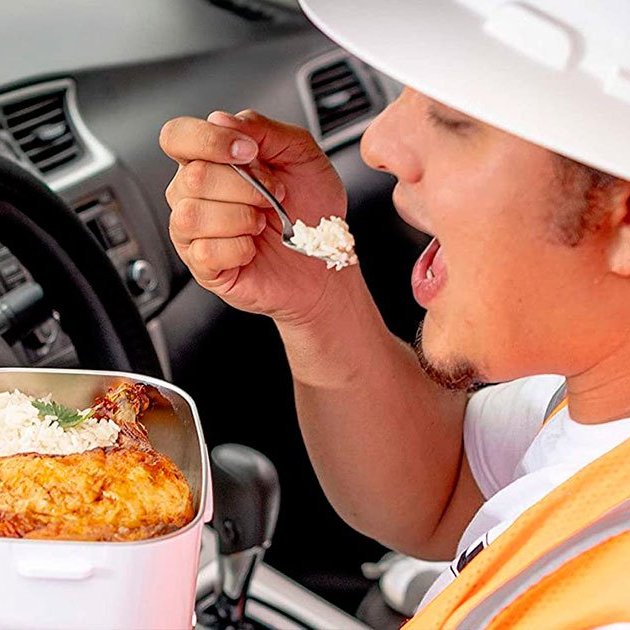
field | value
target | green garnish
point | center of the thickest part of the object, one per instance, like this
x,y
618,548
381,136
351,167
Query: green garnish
x,y
66,417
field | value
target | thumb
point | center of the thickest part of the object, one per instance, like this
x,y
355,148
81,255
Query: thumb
x,y
278,142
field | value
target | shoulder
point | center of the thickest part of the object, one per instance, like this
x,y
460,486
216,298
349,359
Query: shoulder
x,y
526,396
500,423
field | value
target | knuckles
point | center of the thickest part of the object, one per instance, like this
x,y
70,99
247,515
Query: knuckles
x,y
212,254
185,216
202,254
190,219
193,177
170,193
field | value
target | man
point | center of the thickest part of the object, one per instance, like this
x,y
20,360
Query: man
x,y
509,145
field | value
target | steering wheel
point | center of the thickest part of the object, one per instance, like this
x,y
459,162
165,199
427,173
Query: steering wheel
x,y
78,279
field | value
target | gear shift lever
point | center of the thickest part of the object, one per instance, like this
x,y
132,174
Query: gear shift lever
x,y
246,504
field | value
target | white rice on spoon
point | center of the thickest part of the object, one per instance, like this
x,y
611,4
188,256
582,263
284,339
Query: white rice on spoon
x,y
330,240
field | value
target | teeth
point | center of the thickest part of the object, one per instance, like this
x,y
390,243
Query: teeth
x,y
430,275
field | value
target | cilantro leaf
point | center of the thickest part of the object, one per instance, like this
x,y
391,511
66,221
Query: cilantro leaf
x,y
65,416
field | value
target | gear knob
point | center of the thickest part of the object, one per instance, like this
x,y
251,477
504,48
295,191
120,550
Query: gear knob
x,y
246,504
246,498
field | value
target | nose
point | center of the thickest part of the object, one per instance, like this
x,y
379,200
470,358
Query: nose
x,y
390,142
373,143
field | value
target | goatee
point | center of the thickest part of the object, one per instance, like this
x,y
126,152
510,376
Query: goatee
x,y
460,375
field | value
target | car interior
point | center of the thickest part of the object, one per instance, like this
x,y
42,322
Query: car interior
x,y
88,276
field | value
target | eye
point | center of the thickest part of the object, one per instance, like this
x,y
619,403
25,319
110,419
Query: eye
x,y
447,122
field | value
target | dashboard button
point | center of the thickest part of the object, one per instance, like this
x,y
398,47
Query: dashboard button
x,y
141,277
113,229
12,273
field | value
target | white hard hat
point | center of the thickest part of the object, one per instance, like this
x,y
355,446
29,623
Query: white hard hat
x,y
555,72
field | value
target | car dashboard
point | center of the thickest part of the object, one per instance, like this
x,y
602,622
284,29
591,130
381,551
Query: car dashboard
x,y
82,101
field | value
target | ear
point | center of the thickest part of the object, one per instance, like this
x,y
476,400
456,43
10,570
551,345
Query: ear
x,y
619,248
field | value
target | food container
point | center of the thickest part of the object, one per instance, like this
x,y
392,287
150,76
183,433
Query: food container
x,y
140,585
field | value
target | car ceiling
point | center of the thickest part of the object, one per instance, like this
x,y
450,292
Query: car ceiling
x,y
43,41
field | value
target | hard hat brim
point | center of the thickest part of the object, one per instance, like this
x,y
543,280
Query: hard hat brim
x,y
441,49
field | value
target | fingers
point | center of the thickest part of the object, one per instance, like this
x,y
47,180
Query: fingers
x,y
213,236
278,142
186,139
199,218
225,139
217,182
216,215
210,257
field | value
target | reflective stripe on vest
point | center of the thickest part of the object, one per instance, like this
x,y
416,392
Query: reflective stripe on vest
x,y
615,522
557,402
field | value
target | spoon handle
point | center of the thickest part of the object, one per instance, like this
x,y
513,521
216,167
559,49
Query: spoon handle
x,y
287,226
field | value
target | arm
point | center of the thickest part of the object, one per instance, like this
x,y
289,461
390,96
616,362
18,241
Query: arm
x,y
385,441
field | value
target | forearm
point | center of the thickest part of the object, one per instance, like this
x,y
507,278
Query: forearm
x,y
384,440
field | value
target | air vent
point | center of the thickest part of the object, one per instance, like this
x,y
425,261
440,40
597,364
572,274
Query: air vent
x,y
340,97
41,129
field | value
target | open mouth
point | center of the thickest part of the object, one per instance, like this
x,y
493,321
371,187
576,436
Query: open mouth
x,y
429,273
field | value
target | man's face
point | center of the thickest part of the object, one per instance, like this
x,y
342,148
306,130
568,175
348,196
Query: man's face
x,y
506,295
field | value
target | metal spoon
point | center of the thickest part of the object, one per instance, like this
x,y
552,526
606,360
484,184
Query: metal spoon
x,y
287,226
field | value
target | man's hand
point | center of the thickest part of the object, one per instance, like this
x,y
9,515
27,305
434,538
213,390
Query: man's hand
x,y
225,231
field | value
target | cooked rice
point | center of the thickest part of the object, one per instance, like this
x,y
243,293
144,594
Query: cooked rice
x,y
23,431
330,240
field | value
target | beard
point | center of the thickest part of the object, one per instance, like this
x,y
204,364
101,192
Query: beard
x,y
459,375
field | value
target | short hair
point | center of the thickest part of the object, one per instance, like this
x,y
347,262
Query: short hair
x,y
585,199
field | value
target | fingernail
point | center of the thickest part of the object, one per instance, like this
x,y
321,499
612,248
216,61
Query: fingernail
x,y
245,115
243,150
217,115
261,223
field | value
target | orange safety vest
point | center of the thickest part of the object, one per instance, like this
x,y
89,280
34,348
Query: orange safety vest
x,y
563,564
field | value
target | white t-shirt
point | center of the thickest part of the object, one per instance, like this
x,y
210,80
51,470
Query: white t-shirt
x,y
516,461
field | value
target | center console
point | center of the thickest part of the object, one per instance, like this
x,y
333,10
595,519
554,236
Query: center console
x,y
274,601
102,214
235,589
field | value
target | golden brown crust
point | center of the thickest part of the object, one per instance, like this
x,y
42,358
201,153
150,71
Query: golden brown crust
x,y
103,494
122,493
